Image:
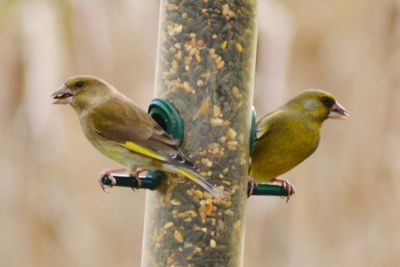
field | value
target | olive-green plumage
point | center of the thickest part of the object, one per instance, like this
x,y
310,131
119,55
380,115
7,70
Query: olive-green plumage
x,y
119,129
289,135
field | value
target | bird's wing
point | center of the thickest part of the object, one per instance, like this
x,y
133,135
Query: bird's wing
x,y
122,121
263,125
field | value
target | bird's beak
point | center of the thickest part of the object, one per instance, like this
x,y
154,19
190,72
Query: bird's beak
x,y
62,96
337,111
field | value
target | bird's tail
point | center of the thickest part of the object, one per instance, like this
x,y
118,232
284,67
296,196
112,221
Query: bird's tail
x,y
198,179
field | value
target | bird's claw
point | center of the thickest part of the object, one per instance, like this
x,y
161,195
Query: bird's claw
x,y
136,174
103,186
252,185
288,186
108,173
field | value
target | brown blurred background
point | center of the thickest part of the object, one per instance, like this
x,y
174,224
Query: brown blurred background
x,y
346,210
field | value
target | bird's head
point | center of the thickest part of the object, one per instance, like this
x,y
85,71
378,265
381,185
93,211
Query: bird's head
x,y
319,105
82,90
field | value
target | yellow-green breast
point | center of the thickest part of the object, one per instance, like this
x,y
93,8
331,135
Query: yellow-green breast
x,y
289,139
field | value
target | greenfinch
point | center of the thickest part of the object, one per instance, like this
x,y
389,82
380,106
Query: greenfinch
x,y
122,131
290,134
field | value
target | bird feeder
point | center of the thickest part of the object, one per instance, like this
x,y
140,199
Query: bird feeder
x,y
205,69
204,90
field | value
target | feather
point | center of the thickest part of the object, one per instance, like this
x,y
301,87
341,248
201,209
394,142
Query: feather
x,y
134,129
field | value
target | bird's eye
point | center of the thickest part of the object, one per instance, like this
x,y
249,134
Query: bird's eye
x,y
79,84
327,101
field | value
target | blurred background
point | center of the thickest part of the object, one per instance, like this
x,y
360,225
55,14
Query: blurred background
x,y
345,211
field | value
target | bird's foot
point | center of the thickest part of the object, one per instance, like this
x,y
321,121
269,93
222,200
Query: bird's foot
x,y
252,185
110,176
136,174
288,186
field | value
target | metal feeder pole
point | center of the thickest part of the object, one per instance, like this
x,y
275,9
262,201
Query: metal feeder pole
x,y
205,68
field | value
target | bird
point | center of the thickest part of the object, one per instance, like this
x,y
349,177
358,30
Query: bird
x,y
125,133
290,134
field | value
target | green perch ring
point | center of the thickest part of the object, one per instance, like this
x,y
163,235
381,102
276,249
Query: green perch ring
x,y
167,116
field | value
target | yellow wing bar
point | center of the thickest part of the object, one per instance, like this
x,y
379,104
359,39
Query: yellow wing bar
x,y
144,151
